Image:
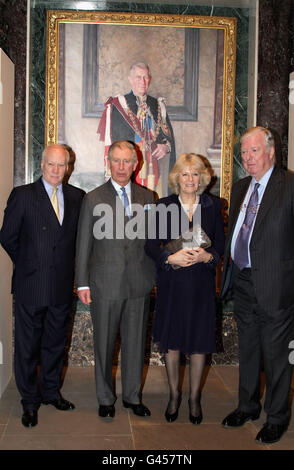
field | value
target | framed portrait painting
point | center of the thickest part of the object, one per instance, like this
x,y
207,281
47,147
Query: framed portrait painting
x,y
191,62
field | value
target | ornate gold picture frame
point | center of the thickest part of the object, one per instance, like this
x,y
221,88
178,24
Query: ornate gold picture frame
x,y
193,61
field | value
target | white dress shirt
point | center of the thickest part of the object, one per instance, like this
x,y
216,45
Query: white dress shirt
x,y
117,187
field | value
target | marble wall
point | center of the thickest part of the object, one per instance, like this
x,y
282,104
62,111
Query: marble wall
x,y
13,15
291,123
275,62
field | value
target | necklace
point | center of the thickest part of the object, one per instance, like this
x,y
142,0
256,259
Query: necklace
x,y
187,208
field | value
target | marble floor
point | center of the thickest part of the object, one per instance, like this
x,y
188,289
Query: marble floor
x,y
82,429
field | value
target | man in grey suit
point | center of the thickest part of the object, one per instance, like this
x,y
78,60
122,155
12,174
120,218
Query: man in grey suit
x,y
259,264
115,277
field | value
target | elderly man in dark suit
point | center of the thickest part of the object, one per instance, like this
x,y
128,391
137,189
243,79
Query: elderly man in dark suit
x,y
115,277
259,263
39,233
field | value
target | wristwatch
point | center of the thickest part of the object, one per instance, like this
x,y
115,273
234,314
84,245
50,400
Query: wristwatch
x,y
211,259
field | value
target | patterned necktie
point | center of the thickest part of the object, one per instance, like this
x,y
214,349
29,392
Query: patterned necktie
x,y
242,240
126,202
54,202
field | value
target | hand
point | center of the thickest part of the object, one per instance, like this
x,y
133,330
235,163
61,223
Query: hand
x,y
183,258
160,151
200,255
189,256
85,296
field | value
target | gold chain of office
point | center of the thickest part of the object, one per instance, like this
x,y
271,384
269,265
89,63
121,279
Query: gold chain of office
x,y
159,124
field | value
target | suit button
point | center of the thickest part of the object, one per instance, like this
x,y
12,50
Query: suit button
x,y
44,228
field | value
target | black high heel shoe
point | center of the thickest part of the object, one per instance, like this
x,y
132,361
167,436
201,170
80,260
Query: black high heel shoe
x,y
170,417
195,419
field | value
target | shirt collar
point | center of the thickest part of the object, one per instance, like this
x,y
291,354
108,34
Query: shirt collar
x,y
264,180
49,187
118,186
140,98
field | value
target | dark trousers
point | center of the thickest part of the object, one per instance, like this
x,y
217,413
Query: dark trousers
x,y
40,338
263,336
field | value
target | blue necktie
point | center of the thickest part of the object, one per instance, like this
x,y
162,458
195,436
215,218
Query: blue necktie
x,y
242,240
126,202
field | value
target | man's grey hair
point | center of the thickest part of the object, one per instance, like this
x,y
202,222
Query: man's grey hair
x,y
46,149
268,136
121,144
140,65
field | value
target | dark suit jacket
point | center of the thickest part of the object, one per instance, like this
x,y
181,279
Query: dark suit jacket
x,y
115,268
272,241
120,129
41,249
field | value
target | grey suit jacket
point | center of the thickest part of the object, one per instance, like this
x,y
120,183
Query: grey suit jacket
x,y
272,241
115,268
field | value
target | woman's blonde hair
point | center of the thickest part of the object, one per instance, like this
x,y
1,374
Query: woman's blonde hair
x,y
195,161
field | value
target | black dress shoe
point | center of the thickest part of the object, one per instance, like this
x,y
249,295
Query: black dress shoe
x,y
195,419
271,433
106,411
139,410
170,417
30,418
60,403
238,417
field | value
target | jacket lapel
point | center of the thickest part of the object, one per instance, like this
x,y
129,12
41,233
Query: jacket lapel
x,y
131,100
136,194
112,198
235,207
137,197
44,206
269,198
68,206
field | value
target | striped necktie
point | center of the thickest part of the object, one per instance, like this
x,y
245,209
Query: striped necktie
x,y
242,241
